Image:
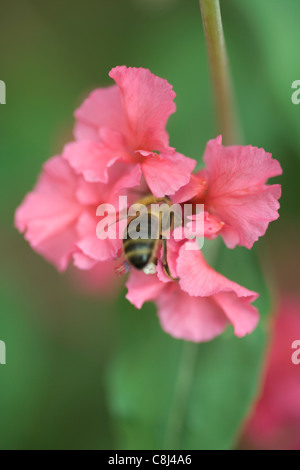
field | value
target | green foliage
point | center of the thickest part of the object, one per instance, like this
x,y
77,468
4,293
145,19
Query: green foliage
x,y
172,394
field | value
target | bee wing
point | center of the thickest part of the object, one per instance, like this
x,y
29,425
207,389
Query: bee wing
x,y
145,226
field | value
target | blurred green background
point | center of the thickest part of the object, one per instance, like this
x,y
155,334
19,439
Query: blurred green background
x,y
60,337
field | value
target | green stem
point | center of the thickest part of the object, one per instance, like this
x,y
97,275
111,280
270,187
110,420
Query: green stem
x,y
179,403
215,42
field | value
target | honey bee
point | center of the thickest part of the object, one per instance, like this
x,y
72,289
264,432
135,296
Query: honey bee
x,y
141,252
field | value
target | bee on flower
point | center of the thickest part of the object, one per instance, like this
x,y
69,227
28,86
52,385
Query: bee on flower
x,y
121,148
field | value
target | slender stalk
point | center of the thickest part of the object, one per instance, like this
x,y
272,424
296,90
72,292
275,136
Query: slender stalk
x,y
179,403
215,42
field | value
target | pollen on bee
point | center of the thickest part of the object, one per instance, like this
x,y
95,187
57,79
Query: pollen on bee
x,y
150,268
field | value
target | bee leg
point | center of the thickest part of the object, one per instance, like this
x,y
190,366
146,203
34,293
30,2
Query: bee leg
x,y
165,261
122,268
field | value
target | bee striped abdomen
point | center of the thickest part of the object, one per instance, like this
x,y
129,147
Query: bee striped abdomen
x,y
139,252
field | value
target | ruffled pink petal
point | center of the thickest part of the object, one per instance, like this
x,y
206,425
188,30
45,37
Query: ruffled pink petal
x,y
122,179
99,250
49,213
237,192
247,218
103,108
147,102
212,225
243,316
142,288
91,194
125,177
57,249
90,244
91,159
82,261
165,174
195,188
190,318
197,278
202,224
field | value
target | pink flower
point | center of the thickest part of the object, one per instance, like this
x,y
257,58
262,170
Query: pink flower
x,y
59,215
126,122
118,129
233,189
122,148
275,422
238,205
201,305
